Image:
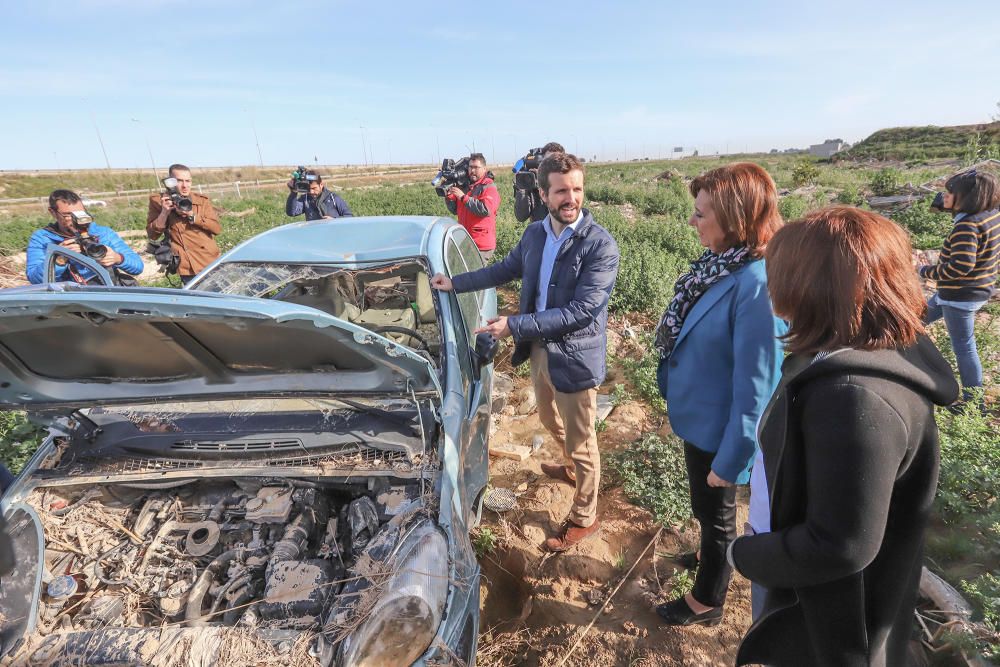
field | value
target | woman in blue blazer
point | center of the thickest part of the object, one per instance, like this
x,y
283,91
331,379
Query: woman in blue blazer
x,y
720,360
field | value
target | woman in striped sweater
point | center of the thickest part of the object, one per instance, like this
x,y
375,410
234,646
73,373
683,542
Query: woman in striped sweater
x,y
967,268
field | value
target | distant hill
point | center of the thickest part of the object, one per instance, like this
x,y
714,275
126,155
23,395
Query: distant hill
x,y
920,143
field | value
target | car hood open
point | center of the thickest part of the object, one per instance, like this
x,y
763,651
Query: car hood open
x,y
66,346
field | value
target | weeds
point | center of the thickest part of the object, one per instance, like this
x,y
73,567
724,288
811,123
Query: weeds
x,y
484,541
619,395
19,439
653,476
641,372
681,582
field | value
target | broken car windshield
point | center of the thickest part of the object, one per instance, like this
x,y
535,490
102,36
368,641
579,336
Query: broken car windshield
x,y
394,300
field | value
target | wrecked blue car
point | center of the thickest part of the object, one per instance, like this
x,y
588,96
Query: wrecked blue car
x,y
279,464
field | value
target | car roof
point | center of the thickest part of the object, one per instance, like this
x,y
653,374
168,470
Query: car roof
x,y
354,239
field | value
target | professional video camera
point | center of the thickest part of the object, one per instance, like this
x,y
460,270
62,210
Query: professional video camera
x,y
89,245
303,180
526,170
452,174
182,203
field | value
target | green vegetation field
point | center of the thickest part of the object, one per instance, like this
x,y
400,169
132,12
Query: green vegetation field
x,y
645,205
923,143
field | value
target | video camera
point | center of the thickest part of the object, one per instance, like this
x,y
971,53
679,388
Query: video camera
x,y
89,245
452,174
303,180
526,170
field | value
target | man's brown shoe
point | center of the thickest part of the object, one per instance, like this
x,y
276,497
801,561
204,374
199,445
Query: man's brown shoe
x,y
558,472
570,535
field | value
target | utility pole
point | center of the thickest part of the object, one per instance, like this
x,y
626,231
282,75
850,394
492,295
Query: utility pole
x,y
364,147
100,140
152,162
256,139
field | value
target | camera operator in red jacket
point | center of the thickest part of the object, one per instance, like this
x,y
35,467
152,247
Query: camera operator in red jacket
x,y
477,208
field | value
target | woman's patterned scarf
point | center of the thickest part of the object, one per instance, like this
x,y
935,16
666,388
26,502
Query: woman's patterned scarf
x,y
705,272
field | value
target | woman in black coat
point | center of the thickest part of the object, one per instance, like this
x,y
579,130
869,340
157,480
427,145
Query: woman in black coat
x,y
850,448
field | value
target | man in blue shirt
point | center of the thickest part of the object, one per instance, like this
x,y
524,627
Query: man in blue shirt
x,y
318,204
69,224
568,265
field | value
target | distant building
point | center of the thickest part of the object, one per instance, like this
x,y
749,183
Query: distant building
x,y
828,148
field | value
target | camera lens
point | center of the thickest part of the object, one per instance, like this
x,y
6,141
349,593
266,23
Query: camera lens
x,y
93,249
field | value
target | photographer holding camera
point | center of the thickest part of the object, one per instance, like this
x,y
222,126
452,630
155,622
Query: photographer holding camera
x,y
527,200
74,229
187,221
477,209
308,195
966,270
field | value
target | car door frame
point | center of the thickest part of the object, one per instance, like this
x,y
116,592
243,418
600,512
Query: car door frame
x,y
476,422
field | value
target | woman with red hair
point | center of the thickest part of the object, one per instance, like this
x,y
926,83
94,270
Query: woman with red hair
x,y
850,447
719,364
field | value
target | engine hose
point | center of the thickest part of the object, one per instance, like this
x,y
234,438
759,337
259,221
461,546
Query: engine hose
x,y
86,497
196,596
296,533
220,507
234,583
237,607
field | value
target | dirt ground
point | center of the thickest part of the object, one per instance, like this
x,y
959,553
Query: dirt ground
x,y
535,606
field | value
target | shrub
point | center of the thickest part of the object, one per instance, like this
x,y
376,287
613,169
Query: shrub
x,y
605,194
850,195
646,276
793,207
970,464
671,199
885,181
927,228
654,476
805,173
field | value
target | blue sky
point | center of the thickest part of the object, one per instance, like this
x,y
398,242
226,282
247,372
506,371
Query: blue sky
x,y
431,79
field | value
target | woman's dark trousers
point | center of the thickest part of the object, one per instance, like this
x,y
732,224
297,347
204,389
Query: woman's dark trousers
x,y
715,509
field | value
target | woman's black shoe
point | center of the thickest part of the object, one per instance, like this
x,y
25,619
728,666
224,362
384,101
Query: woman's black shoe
x,y
689,560
677,612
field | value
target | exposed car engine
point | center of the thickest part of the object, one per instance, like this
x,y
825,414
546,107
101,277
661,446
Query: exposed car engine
x,y
259,555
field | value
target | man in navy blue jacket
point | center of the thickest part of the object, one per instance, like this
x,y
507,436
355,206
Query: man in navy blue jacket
x,y
318,204
568,265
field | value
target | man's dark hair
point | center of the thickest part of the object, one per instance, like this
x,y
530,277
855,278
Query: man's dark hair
x,y
553,147
478,156
561,163
65,196
313,172
177,167
975,191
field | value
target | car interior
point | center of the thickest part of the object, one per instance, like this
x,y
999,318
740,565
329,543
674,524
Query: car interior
x,y
395,301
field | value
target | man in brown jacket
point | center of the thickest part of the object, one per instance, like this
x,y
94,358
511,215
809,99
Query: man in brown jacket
x,y
191,233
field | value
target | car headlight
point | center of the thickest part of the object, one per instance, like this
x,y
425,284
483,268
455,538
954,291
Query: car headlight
x,y
405,619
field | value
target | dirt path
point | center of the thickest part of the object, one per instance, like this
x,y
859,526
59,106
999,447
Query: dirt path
x,y
534,606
